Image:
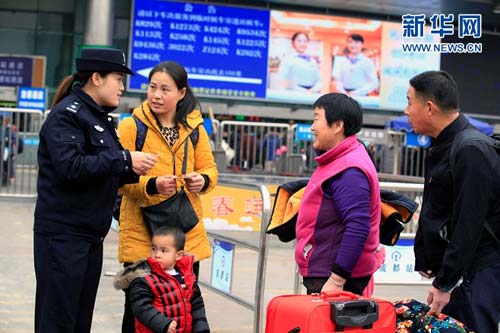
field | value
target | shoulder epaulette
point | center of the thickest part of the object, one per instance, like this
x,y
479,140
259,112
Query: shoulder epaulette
x,y
74,106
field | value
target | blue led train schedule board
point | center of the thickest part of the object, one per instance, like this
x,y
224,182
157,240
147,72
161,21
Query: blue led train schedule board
x,y
224,49
246,53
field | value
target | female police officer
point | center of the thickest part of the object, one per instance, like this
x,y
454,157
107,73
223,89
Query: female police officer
x,y
81,166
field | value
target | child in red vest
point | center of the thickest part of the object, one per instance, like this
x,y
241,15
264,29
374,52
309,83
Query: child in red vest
x,y
164,294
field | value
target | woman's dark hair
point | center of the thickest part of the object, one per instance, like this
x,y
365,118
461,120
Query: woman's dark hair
x,y
176,233
341,107
437,86
64,87
180,77
297,34
357,38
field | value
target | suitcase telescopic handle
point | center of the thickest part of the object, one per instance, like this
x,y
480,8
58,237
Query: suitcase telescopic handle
x,y
354,313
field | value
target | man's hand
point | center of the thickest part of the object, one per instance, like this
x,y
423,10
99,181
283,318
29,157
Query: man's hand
x,y
437,300
142,162
427,274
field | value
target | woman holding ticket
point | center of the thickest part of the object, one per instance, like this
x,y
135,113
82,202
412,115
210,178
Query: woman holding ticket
x,y
169,123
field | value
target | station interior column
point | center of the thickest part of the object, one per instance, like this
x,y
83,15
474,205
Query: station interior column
x,y
99,23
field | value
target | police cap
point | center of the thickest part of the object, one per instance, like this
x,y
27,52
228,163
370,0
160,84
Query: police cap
x,y
102,60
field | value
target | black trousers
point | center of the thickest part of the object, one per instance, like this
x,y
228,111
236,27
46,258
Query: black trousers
x,y
476,302
128,321
354,285
67,270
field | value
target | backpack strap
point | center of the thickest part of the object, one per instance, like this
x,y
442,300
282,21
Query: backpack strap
x,y
142,130
460,139
195,134
194,140
470,134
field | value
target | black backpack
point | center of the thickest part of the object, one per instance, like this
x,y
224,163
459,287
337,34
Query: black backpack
x,y
140,137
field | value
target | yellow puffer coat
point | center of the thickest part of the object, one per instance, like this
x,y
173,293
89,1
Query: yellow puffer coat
x,y
134,240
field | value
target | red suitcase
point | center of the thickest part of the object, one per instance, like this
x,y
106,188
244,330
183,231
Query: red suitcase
x,y
328,313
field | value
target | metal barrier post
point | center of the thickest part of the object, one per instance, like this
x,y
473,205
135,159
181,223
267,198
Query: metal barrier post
x,y
19,168
397,137
254,144
261,249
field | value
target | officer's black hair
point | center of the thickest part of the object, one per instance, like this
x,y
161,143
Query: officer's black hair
x,y
64,88
189,103
341,107
437,86
176,233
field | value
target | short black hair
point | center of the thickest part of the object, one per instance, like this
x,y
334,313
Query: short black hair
x,y
438,86
357,37
176,233
298,33
341,107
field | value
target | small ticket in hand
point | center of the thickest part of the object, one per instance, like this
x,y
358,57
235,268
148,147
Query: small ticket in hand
x,y
182,177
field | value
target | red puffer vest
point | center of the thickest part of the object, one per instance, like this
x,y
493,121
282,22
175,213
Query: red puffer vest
x,y
169,297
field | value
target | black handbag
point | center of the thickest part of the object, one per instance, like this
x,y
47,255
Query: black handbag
x,y
176,211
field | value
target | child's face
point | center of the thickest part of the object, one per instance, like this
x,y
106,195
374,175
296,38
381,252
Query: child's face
x,y
163,250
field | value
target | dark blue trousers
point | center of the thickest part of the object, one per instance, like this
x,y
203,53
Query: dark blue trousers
x,y
67,271
476,302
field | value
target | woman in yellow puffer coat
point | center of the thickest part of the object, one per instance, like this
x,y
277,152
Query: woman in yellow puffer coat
x,y
171,113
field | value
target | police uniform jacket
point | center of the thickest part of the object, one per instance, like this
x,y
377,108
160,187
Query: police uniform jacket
x,y
134,240
451,238
81,166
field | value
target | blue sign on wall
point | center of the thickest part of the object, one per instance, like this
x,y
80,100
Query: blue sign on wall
x,y
416,140
16,71
224,49
32,98
303,132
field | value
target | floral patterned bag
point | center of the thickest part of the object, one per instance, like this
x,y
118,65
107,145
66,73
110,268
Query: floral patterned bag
x,y
411,317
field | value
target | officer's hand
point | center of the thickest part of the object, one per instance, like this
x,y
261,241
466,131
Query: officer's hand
x,y
194,182
166,185
142,162
437,300
172,327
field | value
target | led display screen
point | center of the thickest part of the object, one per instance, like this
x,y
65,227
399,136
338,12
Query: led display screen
x,y
280,56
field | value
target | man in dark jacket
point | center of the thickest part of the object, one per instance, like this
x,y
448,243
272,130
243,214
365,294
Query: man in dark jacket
x,y
455,242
